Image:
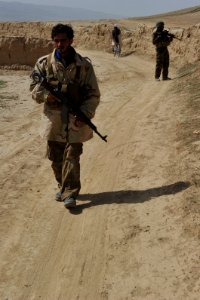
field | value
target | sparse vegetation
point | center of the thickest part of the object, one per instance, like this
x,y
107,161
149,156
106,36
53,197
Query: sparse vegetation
x,y
189,87
2,83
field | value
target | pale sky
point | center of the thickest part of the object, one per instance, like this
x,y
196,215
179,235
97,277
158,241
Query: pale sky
x,y
123,8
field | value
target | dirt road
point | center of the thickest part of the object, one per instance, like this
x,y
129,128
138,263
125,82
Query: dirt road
x,y
126,239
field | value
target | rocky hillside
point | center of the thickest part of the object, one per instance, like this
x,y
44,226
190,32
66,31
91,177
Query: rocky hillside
x,y
21,43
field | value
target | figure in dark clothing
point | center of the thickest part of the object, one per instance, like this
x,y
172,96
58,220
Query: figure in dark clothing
x,y
161,39
116,40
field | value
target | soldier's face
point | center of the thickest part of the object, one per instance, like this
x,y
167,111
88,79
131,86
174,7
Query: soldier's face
x,y
62,43
160,28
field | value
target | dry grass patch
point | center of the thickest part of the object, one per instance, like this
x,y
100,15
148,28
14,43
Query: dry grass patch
x,y
187,92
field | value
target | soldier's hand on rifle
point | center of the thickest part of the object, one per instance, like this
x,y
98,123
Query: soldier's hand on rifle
x,y
78,122
51,98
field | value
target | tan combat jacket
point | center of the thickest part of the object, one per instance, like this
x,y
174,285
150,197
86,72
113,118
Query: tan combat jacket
x,y
55,128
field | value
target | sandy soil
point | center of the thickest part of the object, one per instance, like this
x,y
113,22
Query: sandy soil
x,y
130,236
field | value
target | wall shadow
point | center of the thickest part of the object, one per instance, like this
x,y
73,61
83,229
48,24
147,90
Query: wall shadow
x,y
128,196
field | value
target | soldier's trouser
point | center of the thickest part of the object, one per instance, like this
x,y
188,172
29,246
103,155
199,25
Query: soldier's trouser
x,y
65,159
71,184
55,153
162,63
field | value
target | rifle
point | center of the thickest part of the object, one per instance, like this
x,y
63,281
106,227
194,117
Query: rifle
x,y
171,35
39,78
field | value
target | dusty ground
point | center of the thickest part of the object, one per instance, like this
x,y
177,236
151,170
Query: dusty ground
x,y
134,234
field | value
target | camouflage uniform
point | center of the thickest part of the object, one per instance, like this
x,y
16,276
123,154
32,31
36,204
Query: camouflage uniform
x,y
161,40
64,139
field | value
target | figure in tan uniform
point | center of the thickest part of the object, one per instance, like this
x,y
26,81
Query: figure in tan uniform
x,y
66,132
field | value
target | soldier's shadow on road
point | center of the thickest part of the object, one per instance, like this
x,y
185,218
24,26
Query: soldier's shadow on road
x,y
128,196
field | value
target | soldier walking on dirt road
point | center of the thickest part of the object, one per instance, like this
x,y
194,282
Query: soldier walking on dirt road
x,y
64,68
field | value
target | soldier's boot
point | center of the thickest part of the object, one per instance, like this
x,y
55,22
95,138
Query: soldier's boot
x,y
58,197
69,202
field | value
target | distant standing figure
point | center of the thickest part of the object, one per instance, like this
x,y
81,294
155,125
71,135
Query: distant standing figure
x,y
161,39
116,40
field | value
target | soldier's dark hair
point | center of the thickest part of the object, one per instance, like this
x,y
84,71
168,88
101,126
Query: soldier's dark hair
x,y
160,24
62,28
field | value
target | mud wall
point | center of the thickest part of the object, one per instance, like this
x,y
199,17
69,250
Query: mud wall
x,y
22,51
22,43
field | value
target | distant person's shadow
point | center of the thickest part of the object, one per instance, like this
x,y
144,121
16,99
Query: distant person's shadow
x,y
128,196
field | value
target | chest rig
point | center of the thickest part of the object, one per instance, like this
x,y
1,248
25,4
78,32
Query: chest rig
x,y
68,87
57,78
